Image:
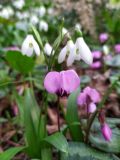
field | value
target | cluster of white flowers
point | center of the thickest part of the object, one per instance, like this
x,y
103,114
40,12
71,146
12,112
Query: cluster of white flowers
x,y
6,12
72,51
76,51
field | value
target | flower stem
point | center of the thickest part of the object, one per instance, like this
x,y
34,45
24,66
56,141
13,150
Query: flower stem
x,y
91,120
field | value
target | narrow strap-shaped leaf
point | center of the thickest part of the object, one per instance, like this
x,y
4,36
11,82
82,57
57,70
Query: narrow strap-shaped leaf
x,y
58,141
73,118
10,153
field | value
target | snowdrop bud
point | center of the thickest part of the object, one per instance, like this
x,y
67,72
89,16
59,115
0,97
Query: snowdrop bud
x,y
78,26
19,4
106,50
41,11
43,26
29,45
48,49
34,19
106,132
83,50
65,32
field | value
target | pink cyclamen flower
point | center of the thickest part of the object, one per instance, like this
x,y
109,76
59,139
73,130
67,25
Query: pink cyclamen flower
x,y
96,65
117,48
97,54
61,83
106,132
88,98
103,37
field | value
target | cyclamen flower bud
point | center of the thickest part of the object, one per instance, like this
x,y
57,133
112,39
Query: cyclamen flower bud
x,y
106,132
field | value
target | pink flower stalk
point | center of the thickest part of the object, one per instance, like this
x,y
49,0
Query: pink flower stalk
x,y
88,98
61,83
97,54
103,37
117,48
106,132
96,65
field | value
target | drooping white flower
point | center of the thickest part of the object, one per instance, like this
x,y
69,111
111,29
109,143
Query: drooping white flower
x,y
106,50
43,26
82,51
50,11
41,11
68,49
34,19
65,32
6,12
48,49
19,4
29,45
78,26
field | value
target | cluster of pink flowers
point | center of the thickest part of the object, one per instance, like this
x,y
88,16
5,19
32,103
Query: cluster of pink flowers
x,y
96,59
65,82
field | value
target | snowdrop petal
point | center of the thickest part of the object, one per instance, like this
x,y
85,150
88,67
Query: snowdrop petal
x,y
62,55
29,45
36,47
70,81
70,59
52,82
84,51
48,49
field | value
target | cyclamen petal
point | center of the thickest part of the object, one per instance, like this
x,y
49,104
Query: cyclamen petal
x,y
81,100
93,94
84,51
69,81
106,132
91,108
52,82
61,83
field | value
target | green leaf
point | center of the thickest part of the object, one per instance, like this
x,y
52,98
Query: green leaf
x,y
81,151
10,153
72,117
58,141
21,63
32,118
37,35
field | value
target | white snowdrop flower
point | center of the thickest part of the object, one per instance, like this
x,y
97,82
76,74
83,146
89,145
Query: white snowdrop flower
x,y
65,32
41,11
82,51
78,26
7,12
34,19
106,50
48,49
68,49
50,11
43,26
19,4
29,45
